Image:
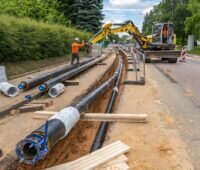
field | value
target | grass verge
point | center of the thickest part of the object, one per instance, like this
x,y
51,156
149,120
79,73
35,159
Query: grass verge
x,y
13,69
195,51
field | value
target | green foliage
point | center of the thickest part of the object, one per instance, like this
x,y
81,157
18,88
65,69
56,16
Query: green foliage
x,y
175,11
41,10
25,39
84,14
195,51
193,23
113,38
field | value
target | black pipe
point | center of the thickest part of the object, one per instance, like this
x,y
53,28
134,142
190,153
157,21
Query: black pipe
x,y
28,84
90,98
50,83
35,146
103,127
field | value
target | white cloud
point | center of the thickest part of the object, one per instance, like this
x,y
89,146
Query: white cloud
x,y
147,10
129,4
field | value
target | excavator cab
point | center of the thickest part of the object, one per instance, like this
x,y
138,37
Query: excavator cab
x,y
163,37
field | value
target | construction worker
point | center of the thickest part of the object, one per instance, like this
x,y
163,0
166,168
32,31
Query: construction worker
x,y
75,50
164,34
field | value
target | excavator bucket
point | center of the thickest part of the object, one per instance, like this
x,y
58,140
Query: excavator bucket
x,y
170,55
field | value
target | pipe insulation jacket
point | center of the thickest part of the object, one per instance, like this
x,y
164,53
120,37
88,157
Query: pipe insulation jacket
x,y
56,90
36,145
48,84
28,84
3,77
8,89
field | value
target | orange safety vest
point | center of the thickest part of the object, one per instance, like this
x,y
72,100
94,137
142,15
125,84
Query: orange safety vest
x,y
76,47
164,33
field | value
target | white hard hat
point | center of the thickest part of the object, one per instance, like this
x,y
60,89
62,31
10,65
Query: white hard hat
x,y
77,39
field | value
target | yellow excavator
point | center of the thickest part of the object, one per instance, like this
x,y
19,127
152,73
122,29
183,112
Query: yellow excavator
x,y
160,45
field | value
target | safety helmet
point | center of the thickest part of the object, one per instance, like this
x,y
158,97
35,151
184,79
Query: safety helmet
x,y
77,39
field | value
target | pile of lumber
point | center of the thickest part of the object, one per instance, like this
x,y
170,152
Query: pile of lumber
x,y
110,157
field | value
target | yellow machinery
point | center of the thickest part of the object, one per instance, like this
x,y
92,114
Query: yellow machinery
x,y
159,45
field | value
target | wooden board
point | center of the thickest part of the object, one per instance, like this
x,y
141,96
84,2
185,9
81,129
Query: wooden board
x,y
75,82
121,159
115,117
119,117
101,64
32,108
47,103
117,166
95,159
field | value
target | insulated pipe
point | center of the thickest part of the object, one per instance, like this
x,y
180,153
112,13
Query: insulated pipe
x,y
48,84
56,90
25,85
35,146
3,77
102,130
8,89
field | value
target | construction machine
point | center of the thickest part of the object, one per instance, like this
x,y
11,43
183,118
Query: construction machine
x,y
160,45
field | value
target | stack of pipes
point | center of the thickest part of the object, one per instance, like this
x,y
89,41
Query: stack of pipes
x,y
36,145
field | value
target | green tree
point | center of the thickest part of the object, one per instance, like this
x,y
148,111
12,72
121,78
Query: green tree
x,y
87,14
192,23
168,10
113,38
41,10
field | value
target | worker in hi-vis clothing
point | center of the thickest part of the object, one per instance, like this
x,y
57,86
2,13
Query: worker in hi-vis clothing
x,y
75,50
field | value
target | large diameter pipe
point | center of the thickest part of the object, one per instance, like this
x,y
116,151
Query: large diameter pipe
x,y
3,77
8,89
36,145
48,84
103,127
56,90
25,85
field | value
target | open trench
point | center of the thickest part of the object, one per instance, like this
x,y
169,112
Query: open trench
x,y
78,143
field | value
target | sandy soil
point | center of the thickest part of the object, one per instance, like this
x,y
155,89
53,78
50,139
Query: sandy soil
x,y
157,144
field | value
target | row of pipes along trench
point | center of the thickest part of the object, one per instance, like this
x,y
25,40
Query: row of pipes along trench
x,y
40,142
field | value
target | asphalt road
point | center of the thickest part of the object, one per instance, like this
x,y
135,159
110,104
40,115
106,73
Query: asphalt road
x,y
179,90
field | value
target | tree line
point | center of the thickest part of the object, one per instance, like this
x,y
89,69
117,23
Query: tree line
x,y
82,14
185,14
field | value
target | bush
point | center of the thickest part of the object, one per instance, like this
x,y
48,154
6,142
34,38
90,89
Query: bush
x,y
40,10
25,39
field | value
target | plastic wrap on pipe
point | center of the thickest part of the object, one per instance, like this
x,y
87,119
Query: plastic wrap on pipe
x,y
36,145
56,90
8,89
69,116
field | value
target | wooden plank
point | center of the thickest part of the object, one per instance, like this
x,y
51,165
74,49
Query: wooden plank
x,y
120,159
117,166
75,82
101,64
95,159
33,108
119,117
47,103
51,113
132,118
13,112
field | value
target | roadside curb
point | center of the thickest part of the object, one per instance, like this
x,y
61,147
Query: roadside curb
x,y
193,56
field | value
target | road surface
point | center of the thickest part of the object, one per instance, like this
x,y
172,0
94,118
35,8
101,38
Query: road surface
x,y
179,90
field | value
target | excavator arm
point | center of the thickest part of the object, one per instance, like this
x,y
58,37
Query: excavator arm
x,y
128,27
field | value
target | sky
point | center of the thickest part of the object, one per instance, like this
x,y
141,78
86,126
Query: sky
x,y
116,11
